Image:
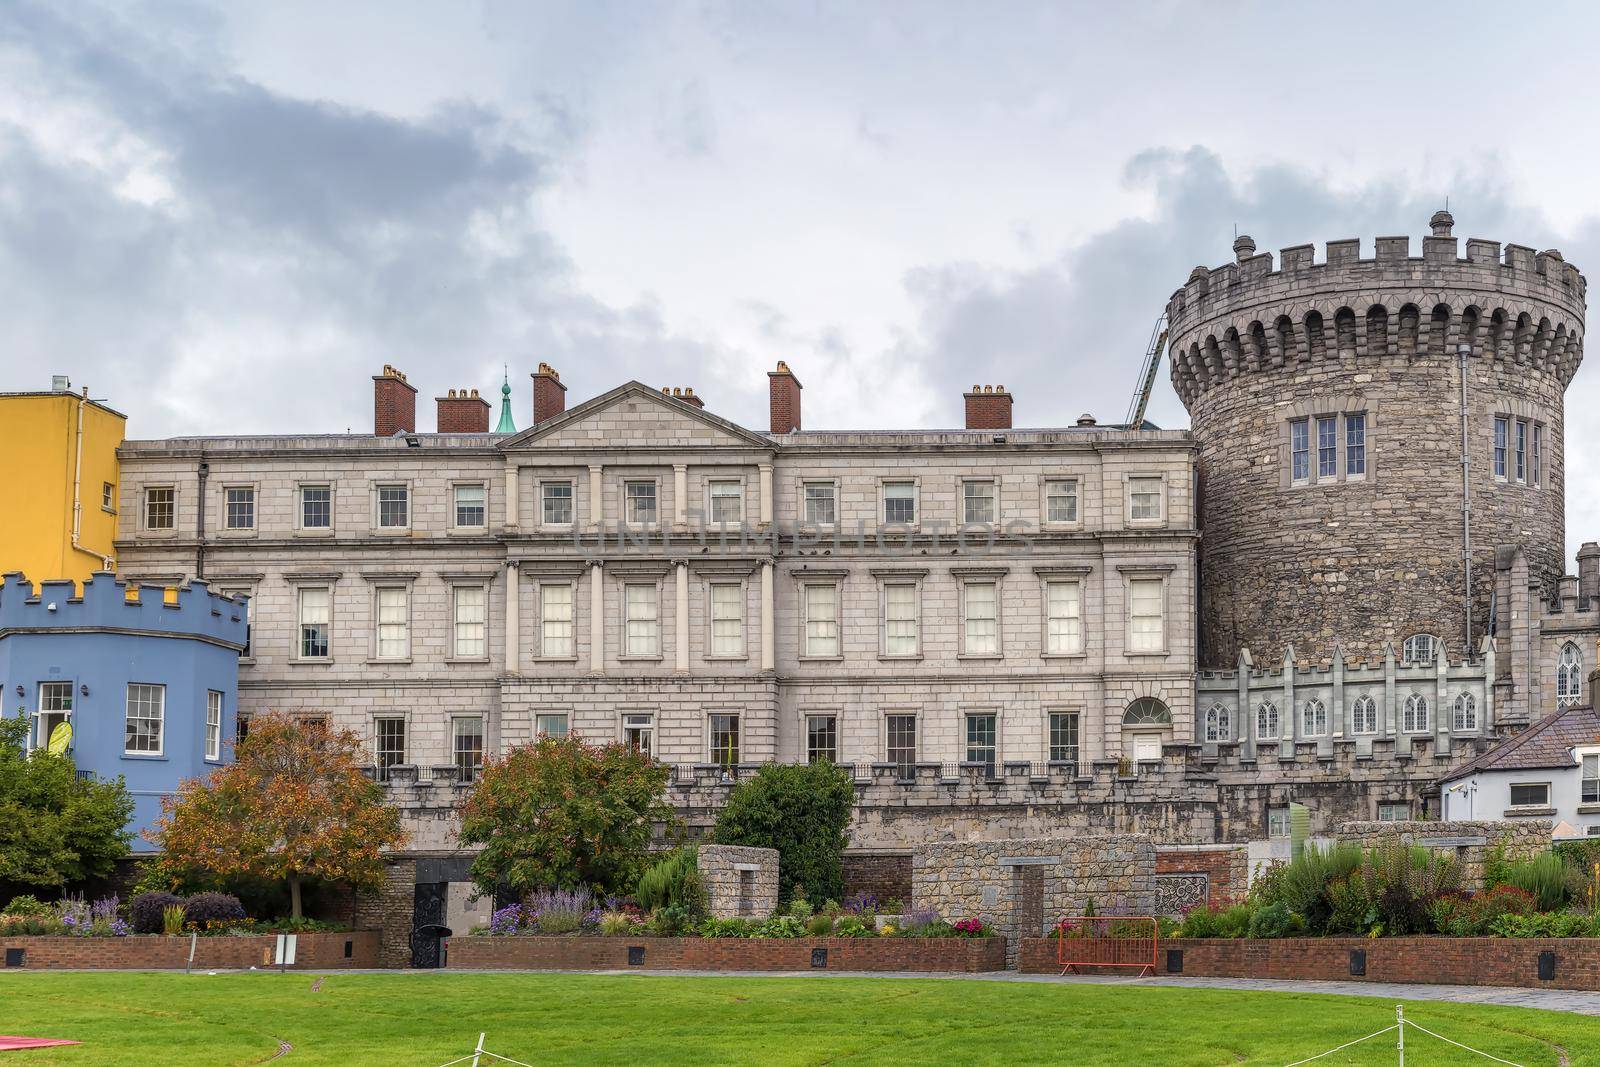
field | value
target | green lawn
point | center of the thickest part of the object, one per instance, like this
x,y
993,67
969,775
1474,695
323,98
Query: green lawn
x,y
428,1018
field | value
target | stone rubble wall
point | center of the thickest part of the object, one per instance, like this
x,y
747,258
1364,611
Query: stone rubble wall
x,y
1522,839
721,875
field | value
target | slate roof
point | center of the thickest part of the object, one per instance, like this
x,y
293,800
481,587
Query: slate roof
x,y
1547,743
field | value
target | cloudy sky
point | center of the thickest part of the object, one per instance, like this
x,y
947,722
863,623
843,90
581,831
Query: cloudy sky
x,y
226,218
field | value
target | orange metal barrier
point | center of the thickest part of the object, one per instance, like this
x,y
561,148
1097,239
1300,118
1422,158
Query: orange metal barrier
x,y
1107,941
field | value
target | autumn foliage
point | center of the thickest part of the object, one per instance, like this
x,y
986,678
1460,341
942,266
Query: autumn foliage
x,y
293,805
560,813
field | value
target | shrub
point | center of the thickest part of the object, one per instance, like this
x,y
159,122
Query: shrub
x,y
26,904
971,928
1234,920
821,925
82,919
860,903
781,926
1547,924
673,879
560,911
1200,922
852,926
1351,911
146,912
800,907
1474,917
802,811
172,918
1544,876
205,910
728,928
1302,884
618,924
670,920
1274,920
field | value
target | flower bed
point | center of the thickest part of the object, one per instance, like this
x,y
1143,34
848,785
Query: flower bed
x,y
139,952
523,952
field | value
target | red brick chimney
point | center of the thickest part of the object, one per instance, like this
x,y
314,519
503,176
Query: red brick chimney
x,y
685,394
785,399
988,408
549,395
394,403
463,412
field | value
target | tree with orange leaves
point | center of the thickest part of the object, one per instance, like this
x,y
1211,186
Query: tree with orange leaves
x,y
293,805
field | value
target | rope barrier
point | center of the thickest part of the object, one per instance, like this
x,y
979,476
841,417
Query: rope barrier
x,y
1458,1044
1344,1046
1400,1024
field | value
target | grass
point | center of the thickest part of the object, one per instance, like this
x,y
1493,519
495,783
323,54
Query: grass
x,y
134,1019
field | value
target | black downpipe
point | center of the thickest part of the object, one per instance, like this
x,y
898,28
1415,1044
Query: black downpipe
x,y
200,524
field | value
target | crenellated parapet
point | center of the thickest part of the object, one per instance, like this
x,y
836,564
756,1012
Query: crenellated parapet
x,y
1511,304
109,605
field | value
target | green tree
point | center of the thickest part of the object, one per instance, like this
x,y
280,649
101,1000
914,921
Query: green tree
x,y
802,810
55,829
561,813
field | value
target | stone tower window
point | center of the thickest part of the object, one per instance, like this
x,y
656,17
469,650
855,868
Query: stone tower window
x,y
1569,675
1364,716
1314,718
1218,727
1420,649
1321,451
1466,717
1267,720
1415,717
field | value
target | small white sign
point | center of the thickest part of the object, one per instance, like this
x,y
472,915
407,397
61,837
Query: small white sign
x,y
284,956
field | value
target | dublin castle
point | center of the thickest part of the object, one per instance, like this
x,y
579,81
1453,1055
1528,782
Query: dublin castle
x,y
1344,580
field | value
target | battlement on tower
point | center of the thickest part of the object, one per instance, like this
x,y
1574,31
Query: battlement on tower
x,y
107,606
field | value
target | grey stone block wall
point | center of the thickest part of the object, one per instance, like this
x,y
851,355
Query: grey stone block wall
x,y
741,881
1469,840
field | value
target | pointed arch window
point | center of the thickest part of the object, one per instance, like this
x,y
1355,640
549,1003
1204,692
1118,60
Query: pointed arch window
x,y
1414,719
1466,716
1569,675
1267,720
1218,724
1364,716
1314,718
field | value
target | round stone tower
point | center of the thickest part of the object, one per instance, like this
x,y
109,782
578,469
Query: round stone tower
x,y
1337,406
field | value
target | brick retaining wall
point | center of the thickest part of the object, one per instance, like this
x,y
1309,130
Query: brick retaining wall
x,y
886,875
1488,961
728,953
1226,867
315,951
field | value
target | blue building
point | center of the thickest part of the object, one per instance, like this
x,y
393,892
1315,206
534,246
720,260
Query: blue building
x,y
147,686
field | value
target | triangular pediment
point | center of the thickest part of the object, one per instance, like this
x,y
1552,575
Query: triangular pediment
x,y
635,416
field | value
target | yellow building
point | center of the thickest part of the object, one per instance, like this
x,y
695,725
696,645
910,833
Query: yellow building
x,y
58,464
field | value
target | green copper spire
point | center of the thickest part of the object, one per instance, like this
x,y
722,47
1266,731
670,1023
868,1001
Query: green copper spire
x,y
506,425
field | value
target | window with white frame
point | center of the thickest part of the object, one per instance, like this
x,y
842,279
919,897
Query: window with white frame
x,y
1521,439
822,619
239,507
1146,629
556,628
978,501
1465,719
1518,450
471,621
1419,648
1314,443
727,619
727,501
980,609
639,731
1364,716
1590,779
1144,499
1355,445
1061,500
642,625
1300,450
55,708
1277,822
160,507
1314,718
316,507
108,496
821,503
1530,794
982,745
1535,474
1414,715
1569,675
394,507
472,506
555,503
1219,726
639,503
900,503
1267,721
1502,434
146,718
822,739
1394,811
316,613
723,728
900,746
213,724
394,621
1064,737
466,746
389,743
1063,605
901,624
551,724
1327,446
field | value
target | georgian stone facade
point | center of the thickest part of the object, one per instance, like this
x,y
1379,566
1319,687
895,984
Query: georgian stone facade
x,y
639,569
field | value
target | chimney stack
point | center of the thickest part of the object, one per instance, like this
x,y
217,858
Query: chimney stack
x,y
549,395
685,394
463,411
394,403
988,408
785,395
1589,572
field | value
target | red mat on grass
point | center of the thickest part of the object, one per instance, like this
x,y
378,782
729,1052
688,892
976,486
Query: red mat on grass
x,y
11,1044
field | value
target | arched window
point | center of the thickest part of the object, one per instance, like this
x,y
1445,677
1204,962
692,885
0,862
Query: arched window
x,y
1217,724
1466,717
1314,719
1364,716
1419,648
1147,711
1415,719
1267,720
1569,675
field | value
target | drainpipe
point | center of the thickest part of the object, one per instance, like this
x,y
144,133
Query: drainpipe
x,y
106,562
200,522
1462,353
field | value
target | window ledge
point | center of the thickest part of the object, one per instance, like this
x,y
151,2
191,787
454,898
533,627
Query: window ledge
x,y
1147,655
820,659
308,662
314,531
652,658
157,756
1528,812
461,659
742,658
1064,655
469,531
374,661
982,656
1589,809
900,659
548,659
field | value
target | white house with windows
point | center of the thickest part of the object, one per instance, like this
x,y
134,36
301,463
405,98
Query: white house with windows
x,y
1549,771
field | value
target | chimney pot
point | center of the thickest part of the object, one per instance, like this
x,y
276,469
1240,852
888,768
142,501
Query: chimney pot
x,y
549,395
1086,419
784,399
988,407
394,403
